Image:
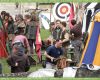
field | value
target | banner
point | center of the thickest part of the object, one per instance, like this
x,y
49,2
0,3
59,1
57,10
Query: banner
x,y
71,17
38,42
45,19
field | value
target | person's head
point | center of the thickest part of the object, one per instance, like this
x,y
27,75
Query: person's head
x,y
63,24
15,49
27,17
16,17
11,18
2,14
52,26
58,43
19,31
35,17
6,16
16,32
19,17
73,22
58,23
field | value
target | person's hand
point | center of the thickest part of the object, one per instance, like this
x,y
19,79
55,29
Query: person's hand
x,y
52,59
16,64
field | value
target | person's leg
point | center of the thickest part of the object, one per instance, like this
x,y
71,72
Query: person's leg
x,y
0,68
54,66
49,65
31,45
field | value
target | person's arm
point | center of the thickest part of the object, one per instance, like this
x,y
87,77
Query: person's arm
x,y
66,37
27,64
27,45
48,56
11,62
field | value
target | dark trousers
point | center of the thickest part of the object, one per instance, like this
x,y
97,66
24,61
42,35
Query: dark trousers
x,y
31,42
0,68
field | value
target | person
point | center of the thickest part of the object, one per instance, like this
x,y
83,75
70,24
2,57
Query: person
x,y
52,27
49,40
31,29
10,31
17,61
57,30
21,40
53,52
3,37
64,38
19,22
2,15
76,41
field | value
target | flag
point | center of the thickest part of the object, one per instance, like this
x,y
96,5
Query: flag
x,y
3,51
71,15
0,24
38,43
46,18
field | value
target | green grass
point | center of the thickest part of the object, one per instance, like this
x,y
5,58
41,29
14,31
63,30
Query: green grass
x,y
49,78
44,33
5,67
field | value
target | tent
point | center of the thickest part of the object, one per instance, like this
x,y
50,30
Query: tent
x,y
91,52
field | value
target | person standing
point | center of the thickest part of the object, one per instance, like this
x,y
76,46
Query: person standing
x,y
76,41
57,30
64,38
30,32
3,37
19,23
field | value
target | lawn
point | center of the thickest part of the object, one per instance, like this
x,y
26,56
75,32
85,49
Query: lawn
x,y
44,33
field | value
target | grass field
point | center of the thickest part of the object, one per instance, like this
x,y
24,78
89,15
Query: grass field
x,y
48,78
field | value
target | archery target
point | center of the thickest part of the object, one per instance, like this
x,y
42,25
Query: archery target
x,y
61,11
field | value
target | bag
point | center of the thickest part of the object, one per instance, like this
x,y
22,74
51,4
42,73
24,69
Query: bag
x,y
58,73
61,62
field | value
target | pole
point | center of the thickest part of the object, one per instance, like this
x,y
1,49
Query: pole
x,y
50,14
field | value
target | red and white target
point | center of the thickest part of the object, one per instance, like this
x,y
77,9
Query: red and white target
x,y
61,11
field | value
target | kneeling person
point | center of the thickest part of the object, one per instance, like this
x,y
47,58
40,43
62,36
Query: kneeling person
x,y
53,52
19,62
